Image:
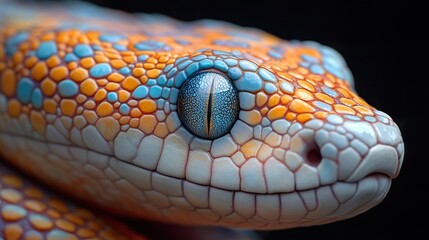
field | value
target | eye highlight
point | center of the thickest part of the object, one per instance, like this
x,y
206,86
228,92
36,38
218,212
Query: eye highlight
x,y
208,105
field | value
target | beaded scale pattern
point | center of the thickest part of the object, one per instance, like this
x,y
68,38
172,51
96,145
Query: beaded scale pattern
x,y
89,106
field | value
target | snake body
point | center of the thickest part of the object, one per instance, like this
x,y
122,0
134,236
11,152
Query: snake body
x,y
93,104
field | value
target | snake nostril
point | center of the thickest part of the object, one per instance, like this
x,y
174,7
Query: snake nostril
x,y
313,156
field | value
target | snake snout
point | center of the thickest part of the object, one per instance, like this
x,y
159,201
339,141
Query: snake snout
x,y
358,148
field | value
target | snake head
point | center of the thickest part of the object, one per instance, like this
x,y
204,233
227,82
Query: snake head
x,y
304,148
199,123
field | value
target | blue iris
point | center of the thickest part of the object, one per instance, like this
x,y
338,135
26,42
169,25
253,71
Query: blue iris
x,y
208,105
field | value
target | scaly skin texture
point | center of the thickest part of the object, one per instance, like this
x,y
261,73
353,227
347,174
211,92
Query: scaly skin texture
x,y
88,105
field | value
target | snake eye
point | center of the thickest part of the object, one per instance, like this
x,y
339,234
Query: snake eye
x,y
208,105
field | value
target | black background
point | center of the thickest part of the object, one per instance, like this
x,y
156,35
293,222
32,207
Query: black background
x,y
386,45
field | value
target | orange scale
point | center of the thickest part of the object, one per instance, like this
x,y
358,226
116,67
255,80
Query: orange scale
x,y
353,94
60,55
101,59
104,109
347,102
48,87
135,113
277,112
79,74
100,95
303,71
138,72
59,73
117,63
11,195
117,115
324,97
362,102
321,115
102,82
163,59
290,116
147,106
14,108
130,59
285,76
106,44
306,85
112,86
344,109
314,78
143,79
264,111
115,77
302,118
149,66
344,92
152,60
112,55
329,83
123,96
83,39
160,66
71,65
261,99
130,83
88,87
363,110
8,82
62,37
93,37
29,62
124,120
68,107
129,53
87,62
39,71
72,42
299,106
285,99
303,94
273,100
50,106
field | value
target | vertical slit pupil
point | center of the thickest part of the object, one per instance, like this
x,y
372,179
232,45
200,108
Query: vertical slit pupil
x,y
209,107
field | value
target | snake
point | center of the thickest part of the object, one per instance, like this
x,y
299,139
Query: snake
x,y
201,123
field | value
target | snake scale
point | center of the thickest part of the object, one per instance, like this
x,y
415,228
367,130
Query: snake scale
x,y
200,123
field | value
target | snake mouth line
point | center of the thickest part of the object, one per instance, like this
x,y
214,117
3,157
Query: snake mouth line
x,y
376,175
